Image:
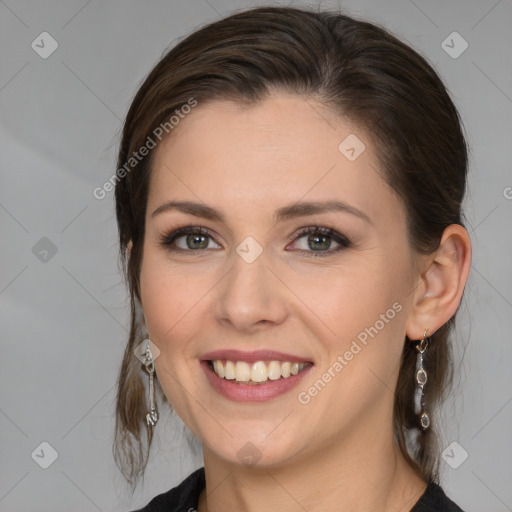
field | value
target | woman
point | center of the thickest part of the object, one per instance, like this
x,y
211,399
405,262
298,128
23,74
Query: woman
x,y
289,208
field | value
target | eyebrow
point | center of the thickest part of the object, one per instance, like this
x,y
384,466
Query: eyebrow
x,y
300,209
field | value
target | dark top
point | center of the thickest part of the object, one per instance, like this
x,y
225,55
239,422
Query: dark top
x,y
185,498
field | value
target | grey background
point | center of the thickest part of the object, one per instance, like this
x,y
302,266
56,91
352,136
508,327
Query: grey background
x,y
64,315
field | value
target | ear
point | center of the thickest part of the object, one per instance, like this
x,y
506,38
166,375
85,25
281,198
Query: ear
x,y
439,288
129,246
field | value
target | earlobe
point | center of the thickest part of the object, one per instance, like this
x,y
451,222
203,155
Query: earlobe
x,y
442,283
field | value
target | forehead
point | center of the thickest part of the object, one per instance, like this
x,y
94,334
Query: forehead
x,y
277,151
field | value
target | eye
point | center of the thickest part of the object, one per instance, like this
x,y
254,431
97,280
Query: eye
x,y
309,241
189,239
318,241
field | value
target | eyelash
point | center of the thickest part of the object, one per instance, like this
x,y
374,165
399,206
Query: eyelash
x,y
343,241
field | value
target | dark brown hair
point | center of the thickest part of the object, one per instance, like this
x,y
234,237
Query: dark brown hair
x,y
361,72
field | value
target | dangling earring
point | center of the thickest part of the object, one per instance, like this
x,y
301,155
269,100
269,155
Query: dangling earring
x,y
152,415
421,380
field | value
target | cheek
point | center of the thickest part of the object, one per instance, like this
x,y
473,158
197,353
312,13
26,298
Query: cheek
x,y
170,298
346,299
362,354
362,311
170,303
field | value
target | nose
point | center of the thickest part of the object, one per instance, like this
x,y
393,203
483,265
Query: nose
x,y
250,297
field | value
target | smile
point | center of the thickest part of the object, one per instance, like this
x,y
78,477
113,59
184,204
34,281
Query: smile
x,y
257,372
237,383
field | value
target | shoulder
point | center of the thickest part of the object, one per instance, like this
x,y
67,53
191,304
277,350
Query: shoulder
x,y
434,499
181,498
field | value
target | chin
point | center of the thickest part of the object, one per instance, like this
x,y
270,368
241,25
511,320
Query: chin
x,y
258,451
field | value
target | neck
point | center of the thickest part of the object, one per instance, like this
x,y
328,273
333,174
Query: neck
x,y
364,473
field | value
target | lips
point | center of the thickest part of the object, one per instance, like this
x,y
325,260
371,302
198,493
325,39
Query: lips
x,y
252,357
253,376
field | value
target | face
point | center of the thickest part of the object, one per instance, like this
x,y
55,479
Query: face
x,y
281,246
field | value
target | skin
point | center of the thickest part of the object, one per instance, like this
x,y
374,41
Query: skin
x,y
335,452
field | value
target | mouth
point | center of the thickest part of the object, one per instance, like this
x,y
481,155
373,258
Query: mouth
x,y
253,376
256,373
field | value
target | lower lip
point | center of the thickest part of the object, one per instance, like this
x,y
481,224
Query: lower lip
x,y
252,392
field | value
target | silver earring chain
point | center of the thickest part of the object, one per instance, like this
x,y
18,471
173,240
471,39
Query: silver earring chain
x,y
152,415
421,380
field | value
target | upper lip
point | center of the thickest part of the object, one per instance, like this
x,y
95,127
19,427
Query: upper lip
x,y
252,357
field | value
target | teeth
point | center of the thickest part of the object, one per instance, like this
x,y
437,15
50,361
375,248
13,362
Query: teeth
x,y
229,370
274,370
259,372
240,371
219,369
